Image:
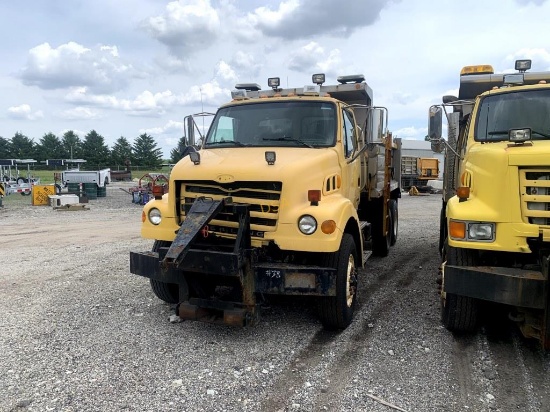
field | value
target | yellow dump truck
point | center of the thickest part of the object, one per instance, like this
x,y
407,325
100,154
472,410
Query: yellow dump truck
x,y
289,193
495,216
417,171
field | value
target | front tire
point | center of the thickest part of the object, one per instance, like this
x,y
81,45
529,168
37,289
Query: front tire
x,y
459,313
336,312
167,292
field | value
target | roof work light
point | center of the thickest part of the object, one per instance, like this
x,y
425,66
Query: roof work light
x,y
523,65
274,82
318,78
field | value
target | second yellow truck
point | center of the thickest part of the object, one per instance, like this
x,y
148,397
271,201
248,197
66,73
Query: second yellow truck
x,y
495,216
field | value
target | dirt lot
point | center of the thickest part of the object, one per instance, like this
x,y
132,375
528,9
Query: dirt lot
x,y
79,333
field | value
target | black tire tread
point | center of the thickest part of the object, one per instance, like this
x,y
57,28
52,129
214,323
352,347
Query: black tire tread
x,y
460,313
333,310
380,243
167,292
394,214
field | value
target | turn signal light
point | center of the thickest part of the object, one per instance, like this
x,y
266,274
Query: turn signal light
x,y
158,191
314,196
143,217
457,230
328,227
463,193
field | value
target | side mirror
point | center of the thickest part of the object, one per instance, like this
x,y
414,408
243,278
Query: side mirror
x,y
190,130
435,123
375,125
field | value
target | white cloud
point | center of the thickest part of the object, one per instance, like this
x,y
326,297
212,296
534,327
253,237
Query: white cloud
x,y
168,128
296,19
173,65
411,132
148,103
246,64
210,93
80,113
24,112
224,72
72,64
185,27
313,58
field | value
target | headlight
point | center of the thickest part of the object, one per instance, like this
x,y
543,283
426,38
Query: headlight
x,y
481,231
472,231
154,216
307,224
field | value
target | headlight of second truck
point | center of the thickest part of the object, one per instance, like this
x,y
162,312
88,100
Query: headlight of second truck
x,y
307,224
472,231
154,216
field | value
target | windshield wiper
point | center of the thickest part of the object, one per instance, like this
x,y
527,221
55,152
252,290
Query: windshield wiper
x,y
231,142
540,134
287,139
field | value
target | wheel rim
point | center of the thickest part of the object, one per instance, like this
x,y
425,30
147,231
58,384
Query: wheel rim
x,y
351,281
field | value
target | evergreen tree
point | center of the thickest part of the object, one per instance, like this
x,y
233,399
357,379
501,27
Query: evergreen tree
x,y
72,145
49,147
95,151
176,152
146,152
5,148
22,147
121,151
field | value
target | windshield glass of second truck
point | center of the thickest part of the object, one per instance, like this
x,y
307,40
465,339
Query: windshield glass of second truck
x,y
289,124
498,113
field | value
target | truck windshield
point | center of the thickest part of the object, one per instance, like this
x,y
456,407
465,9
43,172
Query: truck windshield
x,y
515,110
295,124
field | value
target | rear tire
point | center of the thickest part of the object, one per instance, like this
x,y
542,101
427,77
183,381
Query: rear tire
x,y
336,312
167,292
460,313
381,242
394,216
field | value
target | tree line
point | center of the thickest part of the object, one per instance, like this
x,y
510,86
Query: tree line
x,y
143,151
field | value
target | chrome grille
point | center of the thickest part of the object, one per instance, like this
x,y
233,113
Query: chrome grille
x,y
535,195
263,198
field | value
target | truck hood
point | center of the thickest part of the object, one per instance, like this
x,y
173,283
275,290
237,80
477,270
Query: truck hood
x,y
535,154
491,170
237,164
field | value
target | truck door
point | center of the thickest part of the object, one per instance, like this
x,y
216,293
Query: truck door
x,y
350,171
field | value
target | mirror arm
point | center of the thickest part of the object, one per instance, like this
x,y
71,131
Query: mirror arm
x,y
358,153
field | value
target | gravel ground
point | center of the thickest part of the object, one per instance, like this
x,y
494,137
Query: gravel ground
x,y
80,333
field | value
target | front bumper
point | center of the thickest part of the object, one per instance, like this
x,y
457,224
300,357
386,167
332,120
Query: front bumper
x,y
510,286
269,278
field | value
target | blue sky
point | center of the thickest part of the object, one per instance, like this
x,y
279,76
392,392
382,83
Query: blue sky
x,y
124,67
